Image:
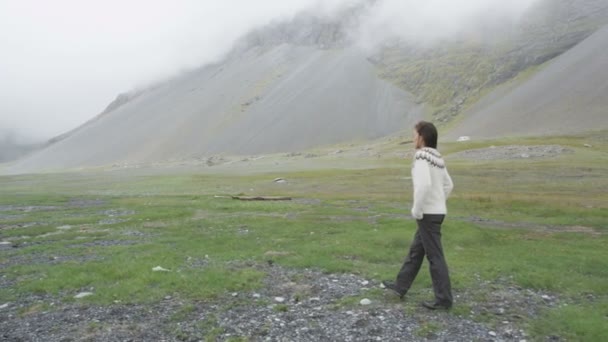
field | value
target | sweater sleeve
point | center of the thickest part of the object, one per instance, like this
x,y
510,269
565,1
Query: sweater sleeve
x,y
421,177
448,185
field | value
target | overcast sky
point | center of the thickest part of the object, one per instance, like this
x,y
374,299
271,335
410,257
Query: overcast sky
x,y
63,61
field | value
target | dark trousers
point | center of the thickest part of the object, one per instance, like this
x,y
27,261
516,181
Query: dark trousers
x,y
427,241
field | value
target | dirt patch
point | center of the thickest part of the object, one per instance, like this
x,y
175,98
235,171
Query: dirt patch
x,y
38,258
27,208
512,152
529,226
85,203
105,243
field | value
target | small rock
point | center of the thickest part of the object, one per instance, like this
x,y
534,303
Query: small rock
x,y
83,294
256,295
315,299
463,138
167,297
588,146
160,269
491,333
4,306
525,156
66,227
365,283
365,301
545,297
382,286
280,181
279,299
5,243
523,341
235,294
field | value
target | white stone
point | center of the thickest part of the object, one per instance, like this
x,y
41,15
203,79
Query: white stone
x,y
256,295
160,269
4,306
382,286
83,294
365,283
5,243
279,299
493,334
463,138
365,301
66,227
234,294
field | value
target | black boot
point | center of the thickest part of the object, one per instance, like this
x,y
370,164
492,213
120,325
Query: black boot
x,y
389,285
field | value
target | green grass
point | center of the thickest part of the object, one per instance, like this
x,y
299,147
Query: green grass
x,y
342,220
583,322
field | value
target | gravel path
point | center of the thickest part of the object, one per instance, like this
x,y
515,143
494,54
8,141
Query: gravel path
x,y
293,305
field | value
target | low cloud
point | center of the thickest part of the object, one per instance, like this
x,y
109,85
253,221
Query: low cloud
x,y
63,61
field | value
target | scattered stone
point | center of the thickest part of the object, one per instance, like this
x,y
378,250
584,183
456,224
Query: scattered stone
x,y
5,243
588,146
279,299
512,152
463,139
160,269
491,333
365,283
365,301
280,181
235,294
4,306
256,295
66,227
83,294
310,319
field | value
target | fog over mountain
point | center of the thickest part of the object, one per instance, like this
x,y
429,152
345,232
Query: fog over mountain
x,y
322,73
62,62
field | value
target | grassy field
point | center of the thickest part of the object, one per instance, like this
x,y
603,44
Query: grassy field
x,y
540,224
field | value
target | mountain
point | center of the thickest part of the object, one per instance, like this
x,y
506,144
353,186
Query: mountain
x,y
568,95
303,83
453,75
285,88
11,150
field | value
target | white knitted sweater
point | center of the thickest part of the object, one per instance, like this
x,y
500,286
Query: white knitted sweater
x,y
432,183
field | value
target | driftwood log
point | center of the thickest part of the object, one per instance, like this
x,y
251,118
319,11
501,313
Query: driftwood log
x,y
261,198
256,198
